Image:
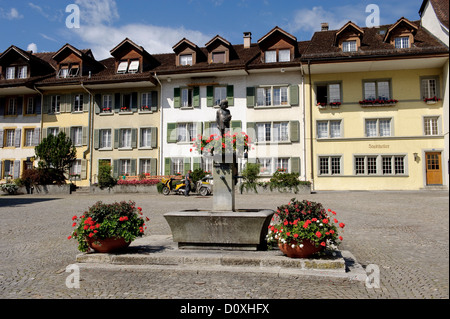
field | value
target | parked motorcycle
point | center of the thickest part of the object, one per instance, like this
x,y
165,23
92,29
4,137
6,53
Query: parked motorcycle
x,y
168,188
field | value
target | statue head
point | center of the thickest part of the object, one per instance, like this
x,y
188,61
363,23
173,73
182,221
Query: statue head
x,y
224,104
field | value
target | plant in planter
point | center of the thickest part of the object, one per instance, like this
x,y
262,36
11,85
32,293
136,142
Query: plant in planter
x,y
283,181
304,228
10,188
108,227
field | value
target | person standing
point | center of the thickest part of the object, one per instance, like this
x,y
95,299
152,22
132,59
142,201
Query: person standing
x,y
187,181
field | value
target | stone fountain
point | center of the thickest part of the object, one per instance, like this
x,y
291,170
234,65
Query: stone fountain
x,y
224,227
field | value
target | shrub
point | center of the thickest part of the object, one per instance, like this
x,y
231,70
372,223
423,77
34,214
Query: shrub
x,y
250,175
282,181
105,179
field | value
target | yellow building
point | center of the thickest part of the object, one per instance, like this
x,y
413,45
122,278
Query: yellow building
x,y
374,103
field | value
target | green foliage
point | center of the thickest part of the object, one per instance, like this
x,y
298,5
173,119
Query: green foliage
x,y
10,188
101,221
283,181
105,179
56,154
250,175
196,176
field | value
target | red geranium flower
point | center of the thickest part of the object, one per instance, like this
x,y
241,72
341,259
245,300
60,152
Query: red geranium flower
x,y
318,234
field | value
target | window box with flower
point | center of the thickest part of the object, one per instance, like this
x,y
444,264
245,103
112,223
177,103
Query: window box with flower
x,y
432,100
322,105
378,102
303,228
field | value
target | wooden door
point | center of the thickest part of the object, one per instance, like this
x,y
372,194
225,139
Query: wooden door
x,y
434,168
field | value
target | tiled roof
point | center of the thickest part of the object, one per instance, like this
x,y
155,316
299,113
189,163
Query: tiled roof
x,y
441,8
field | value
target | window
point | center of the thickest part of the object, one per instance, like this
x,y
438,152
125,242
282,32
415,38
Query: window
x,y
277,56
127,102
349,46
272,132
12,107
77,136
145,166
123,67
282,164
220,93
105,138
29,137
177,166
187,96
280,132
74,70
377,90
78,103
329,129
11,73
9,138
186,59
431,126
429,88
263,132
378,127
52,131
134,66
8,169
125,167
401,42
107,104
30,106
63,71
22,72
218,57
55,104
186,132
328,93
125,138
146,137
207,164
146,102
380,165
265,165
329,165
272,96
75,169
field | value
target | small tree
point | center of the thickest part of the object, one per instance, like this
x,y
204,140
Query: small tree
x,y
56,154
250,175
105,179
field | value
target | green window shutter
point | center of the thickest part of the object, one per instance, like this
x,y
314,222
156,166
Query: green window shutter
x,y
251,97
230,95
83,174
295,131
197,163
295,165
153,167
251,131
96,139
134,102
85,133
171,132
66,103
196,100
116,138
199,127
1,139
167,166
187,164
154,106
133,167
98,103
86,102
47,103
236,126
134,137
154,131
207,129
117,102
177,97
210,96
293,95
116,168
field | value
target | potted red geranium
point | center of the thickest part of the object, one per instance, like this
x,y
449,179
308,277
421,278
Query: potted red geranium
x,y
304,228
108,227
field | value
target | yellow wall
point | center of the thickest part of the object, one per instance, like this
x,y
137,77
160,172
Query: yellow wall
x,y
406,130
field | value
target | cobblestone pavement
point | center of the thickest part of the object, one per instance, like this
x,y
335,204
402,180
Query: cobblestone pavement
x,y
404,233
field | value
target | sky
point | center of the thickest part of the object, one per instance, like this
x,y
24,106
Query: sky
x,y
157,25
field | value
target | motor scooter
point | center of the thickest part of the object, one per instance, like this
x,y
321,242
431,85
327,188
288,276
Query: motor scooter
x,y
168,188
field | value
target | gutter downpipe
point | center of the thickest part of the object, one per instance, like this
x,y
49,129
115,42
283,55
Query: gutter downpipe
x,y
90,126
311,125
304,120
42,113
161,160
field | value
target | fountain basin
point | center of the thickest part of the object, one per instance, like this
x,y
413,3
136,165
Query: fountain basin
x,y
222,230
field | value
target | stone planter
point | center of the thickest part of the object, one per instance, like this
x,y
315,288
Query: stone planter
x,y
240,230
306,251
302,189
125,189
52,189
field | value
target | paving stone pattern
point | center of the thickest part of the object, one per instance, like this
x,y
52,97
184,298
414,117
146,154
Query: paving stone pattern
x,y
404,233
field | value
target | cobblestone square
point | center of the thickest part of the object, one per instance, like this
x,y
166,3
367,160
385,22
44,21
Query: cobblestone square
x,y
404,233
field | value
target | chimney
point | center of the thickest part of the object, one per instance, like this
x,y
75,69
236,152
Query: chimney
x,y
324,26
247,39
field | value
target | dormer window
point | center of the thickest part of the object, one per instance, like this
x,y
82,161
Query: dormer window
x,y
278,46
277,56
67,70
134,66
74,70
284,55
22,72
218,57
349,46
11,73
186,59
270,56
123,67
401,42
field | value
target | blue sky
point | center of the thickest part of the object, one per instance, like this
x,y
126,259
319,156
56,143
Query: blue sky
x,y
157,25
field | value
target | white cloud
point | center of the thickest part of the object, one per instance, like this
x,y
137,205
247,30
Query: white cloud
x,y
12,14
155,39
95,12
32,47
